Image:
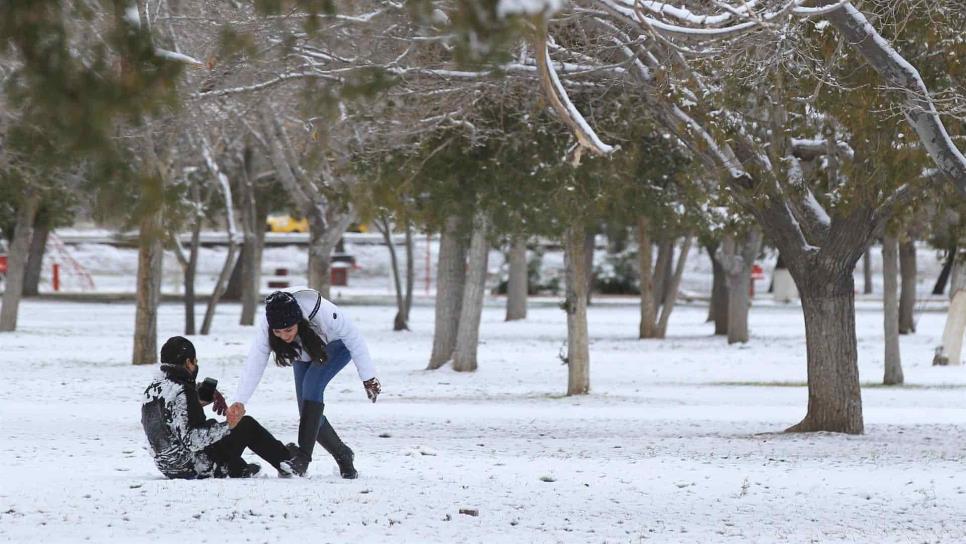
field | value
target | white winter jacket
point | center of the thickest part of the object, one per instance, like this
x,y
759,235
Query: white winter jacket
x,y
327,320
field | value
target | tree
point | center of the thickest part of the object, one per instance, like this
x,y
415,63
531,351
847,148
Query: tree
x,y
890,273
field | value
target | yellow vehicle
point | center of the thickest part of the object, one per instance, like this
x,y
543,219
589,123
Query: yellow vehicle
x,y
286,223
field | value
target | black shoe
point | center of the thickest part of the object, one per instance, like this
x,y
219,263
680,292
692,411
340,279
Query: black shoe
x,y
297,465
250,470
342,454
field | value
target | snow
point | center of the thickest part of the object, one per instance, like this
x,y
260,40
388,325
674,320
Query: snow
x,y
177,57
677,443
528,7
818,212
573,113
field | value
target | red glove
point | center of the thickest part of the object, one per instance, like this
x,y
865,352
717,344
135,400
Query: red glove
x,y
220,406
373,388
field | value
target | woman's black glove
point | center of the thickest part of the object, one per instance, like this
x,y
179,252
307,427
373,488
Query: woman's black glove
x,y
373,388
219,405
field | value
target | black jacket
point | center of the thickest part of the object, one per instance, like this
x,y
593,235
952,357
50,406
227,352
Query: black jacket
x,y
175,425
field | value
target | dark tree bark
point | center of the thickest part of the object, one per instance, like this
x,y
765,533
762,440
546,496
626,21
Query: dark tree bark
x,y
738,258
907,300
468,333
150,263
890,296
17,261
516,290
249,260
35,261
663,267
867,271
590,238
399,321
718,308
940,286
834,398
252,267
578,345
410,273
648,323
450,279
672,286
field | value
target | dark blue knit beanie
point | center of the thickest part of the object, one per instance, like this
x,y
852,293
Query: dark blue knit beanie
x,y
176,350
282,310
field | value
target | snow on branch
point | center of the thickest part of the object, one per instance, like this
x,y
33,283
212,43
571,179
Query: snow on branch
x,y
678,22
557,95
506,8
920,110
177,57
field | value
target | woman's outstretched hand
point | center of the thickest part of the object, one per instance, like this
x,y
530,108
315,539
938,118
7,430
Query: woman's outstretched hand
x,y
373,388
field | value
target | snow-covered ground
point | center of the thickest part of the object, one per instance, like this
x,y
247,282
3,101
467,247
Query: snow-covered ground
x,y
678,441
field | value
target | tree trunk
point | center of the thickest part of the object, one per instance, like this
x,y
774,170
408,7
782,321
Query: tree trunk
x,y
230,261
17,262
951,350
231,229
672,285
907,300
450,279
399,322
578,347
834,397
737,261
190,272
320,261
35,260
867,270
516,290
150,263
252,267
410,273
468,333
590,239
648,326
718,309
233,288
940,285
890,297
662,268
241,282
324,235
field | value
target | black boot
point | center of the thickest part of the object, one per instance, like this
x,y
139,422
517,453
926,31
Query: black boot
x,y
295,465
309,422
337,449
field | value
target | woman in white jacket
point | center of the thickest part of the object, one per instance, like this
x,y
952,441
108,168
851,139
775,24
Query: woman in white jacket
x,y
317,339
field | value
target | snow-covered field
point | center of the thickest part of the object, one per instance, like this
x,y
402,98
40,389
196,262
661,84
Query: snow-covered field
x,y
678,441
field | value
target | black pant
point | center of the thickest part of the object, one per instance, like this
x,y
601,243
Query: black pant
x,y
247,434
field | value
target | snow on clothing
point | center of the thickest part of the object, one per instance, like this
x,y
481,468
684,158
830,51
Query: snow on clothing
x,y
176,428
329,322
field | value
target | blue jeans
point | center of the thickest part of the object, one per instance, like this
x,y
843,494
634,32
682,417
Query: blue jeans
x,y
311,377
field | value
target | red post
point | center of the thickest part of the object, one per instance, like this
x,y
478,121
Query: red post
x,y
56,277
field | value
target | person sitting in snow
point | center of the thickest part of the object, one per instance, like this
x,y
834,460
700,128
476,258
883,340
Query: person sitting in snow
x,y
185,445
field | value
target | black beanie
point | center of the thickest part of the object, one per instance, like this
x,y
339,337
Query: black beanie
x,y
282,310
176,350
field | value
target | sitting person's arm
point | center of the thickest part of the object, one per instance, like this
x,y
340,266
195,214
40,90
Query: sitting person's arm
x,y
189,422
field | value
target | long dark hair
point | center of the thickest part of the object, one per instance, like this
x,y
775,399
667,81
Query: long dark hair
x,y
286,354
